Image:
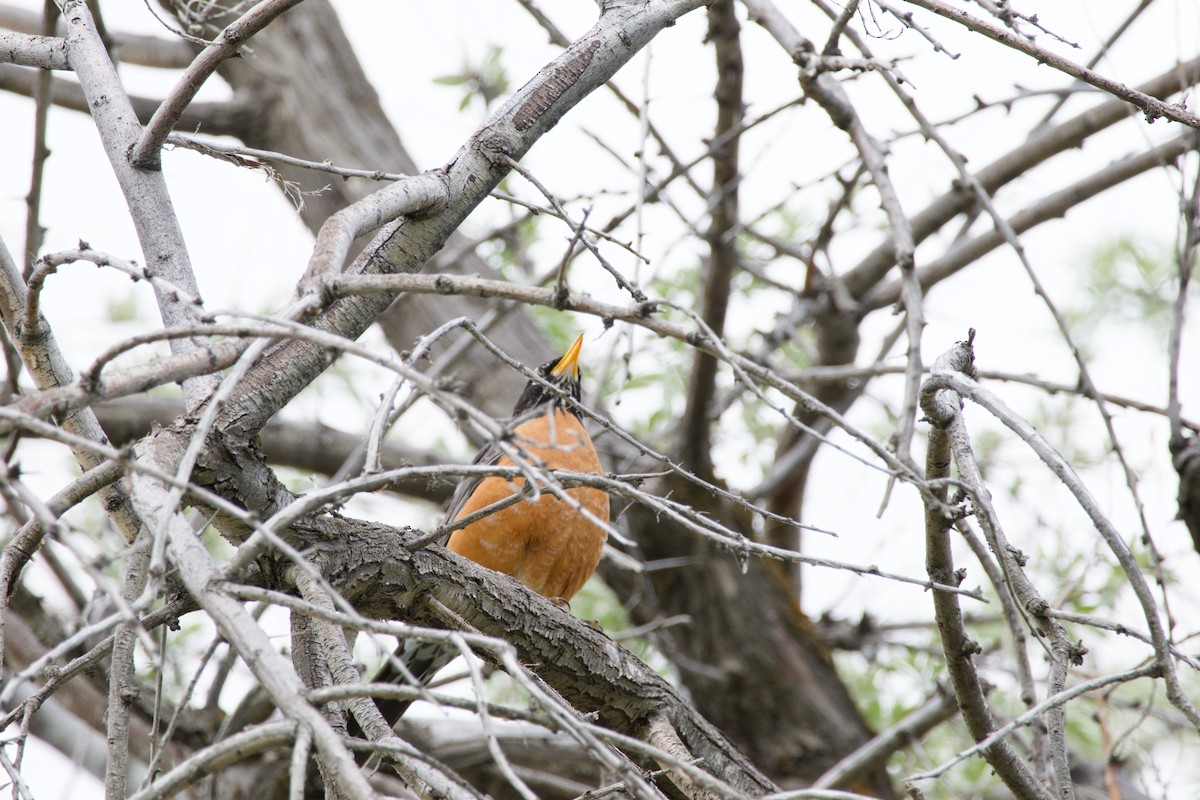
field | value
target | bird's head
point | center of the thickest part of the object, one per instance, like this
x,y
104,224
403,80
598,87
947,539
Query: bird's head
x,y
562,373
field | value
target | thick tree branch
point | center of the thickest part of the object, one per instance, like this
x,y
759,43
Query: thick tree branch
x,y
131,48
42,52
373,570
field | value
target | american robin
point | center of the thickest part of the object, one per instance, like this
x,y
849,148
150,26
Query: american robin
x,y
547,544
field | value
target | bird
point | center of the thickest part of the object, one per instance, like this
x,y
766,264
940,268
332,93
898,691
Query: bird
x,y
549,545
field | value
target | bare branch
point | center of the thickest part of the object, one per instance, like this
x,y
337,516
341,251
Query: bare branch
x,y
242,745
1039,147
1153,107
146,192
1056,700
942,409
1061,469
1052,206
231,118
275,674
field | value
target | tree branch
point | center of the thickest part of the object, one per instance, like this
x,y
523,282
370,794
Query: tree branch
x,y
41,52
147,152
695,438
146,193
942,409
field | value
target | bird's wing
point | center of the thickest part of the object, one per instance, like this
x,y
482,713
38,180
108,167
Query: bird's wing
x,y
488,456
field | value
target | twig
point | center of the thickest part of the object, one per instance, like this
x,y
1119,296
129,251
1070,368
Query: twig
x,y
867,274
832,97
1056,700
912,728
641,315
122,679
1050,207
384,417
48,264
298,769
1189,242
339,663
839,25
485,720
198,573
560,278
908,20
695,428
1151,106
1117,33
63,674
25,542
1123,630
43,98
1015,621
20,788
160,743
634,291
558,38
1062,651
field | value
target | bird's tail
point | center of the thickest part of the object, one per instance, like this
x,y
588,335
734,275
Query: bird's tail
x,y
421,661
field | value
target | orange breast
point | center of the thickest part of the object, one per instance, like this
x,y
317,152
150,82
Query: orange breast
x,y
545,543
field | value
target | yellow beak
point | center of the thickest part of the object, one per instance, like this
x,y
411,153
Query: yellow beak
x,y
569,363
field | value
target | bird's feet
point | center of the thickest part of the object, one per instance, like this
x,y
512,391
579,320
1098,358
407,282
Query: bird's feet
x,y
565,605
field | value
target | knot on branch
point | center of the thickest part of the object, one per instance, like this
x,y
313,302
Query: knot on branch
x,y
325,290
1037,607
645,309
561,296
941,405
